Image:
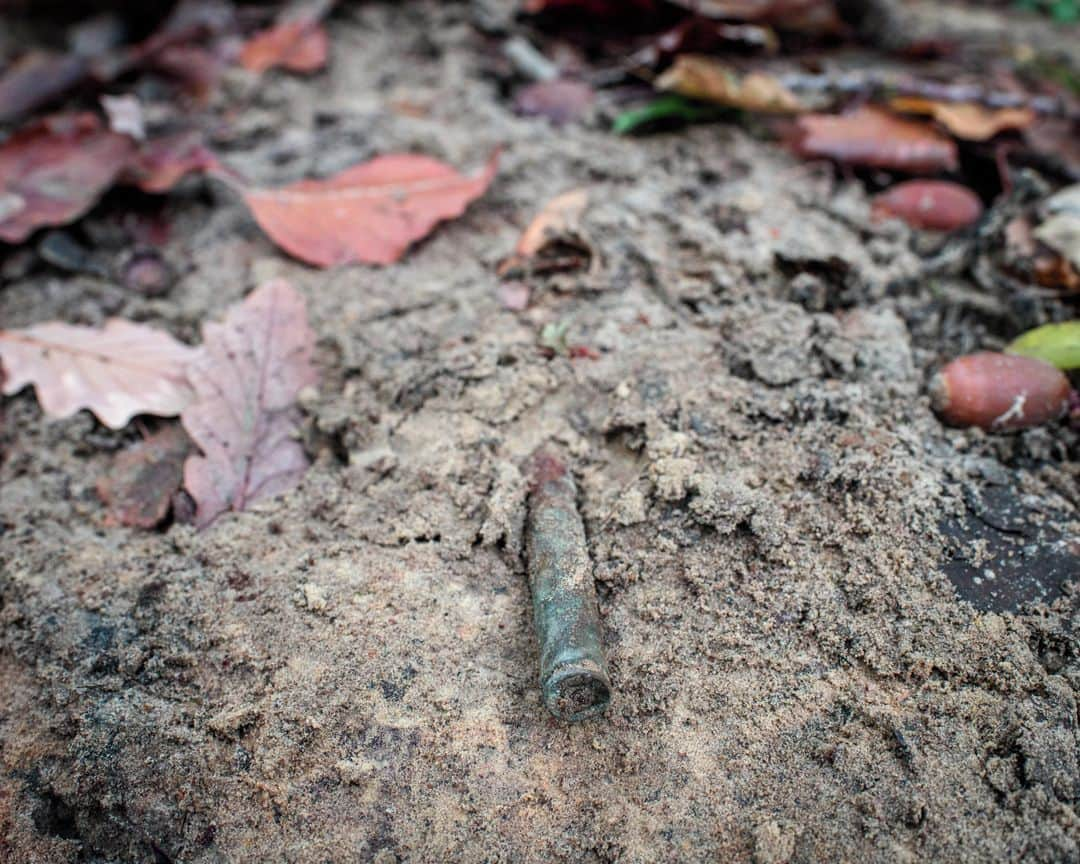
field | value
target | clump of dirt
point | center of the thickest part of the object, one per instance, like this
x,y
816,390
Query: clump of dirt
x,y
773,513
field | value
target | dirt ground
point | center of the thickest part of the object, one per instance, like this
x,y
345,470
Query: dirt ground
x,y
836,630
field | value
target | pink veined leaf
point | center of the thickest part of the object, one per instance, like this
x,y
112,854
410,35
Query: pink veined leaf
x,y
117,372
244,415
371,212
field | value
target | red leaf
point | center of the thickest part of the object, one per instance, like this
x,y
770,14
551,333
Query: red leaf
x,y
144,477
55,170
37,79
117,372
370,212
877,139
244,414
936,205
299,46
161,163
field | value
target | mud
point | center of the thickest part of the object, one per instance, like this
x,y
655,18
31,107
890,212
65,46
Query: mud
x,y
775,518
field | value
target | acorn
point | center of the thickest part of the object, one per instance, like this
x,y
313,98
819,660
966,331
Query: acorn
x,y
999,392
935,205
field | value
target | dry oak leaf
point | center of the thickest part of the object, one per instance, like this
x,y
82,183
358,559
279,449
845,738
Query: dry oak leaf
x,y
875,138
967,120
703,78
557,222
244,414
371,212
143,479
117,372
53,171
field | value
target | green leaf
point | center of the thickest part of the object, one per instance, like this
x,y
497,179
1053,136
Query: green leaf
x,y
1058,344
1066,11
676,108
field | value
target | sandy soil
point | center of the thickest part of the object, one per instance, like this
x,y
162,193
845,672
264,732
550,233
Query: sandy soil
x,y
836,630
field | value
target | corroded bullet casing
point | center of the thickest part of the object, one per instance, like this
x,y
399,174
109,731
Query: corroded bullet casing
x,y
573,675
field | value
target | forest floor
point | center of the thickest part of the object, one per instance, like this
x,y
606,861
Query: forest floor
x,y
837,630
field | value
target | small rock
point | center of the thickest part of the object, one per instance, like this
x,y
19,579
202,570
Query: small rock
x,y
630,508
772,844
315,596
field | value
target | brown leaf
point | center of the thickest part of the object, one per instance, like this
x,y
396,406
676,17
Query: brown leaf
x,y
37,79
967,120
159,164
53,171
877,139
936,205
244,414
144,477
704,78
371,212
556,224
117,372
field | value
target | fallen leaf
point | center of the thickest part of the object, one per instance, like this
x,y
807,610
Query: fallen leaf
x,y
143,479
875,138
371,212
1057,344
37,79
244,415
159,164
666,109
557,224
299,46
709,80
967,120
560,101
117,372
936,205
297,41
53,171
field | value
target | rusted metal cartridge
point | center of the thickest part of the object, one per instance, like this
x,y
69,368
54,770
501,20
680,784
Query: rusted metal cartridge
x,y
573,675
